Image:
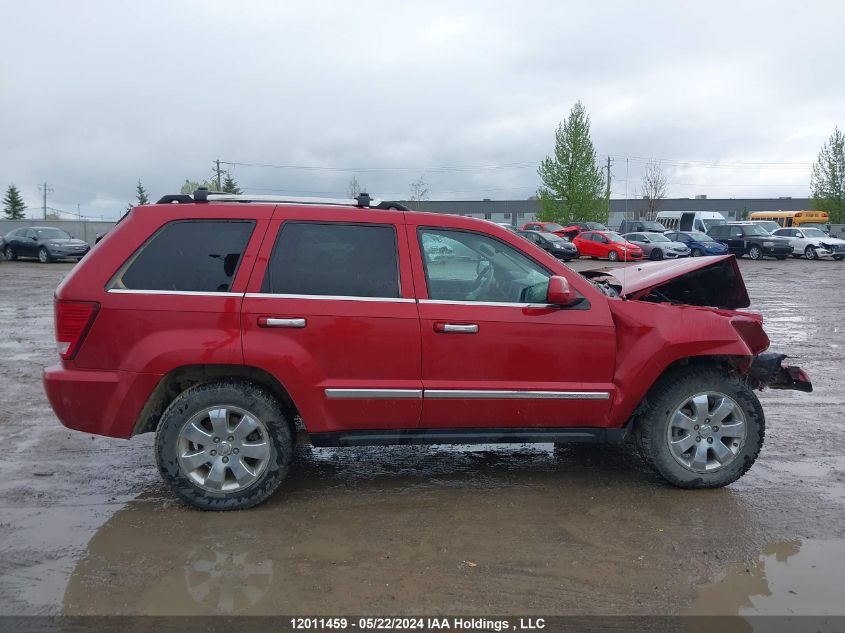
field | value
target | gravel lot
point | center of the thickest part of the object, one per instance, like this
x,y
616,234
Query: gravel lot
x,y
86,526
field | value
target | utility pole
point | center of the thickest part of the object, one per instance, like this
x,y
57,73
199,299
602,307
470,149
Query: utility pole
x,y
219,174
45,188
608,184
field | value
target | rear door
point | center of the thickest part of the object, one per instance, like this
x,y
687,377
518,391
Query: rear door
x,y
330,311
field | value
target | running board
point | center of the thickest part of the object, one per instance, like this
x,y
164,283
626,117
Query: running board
x,y
390,437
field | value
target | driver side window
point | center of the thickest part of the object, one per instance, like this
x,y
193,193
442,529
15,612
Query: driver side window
x,y
467,266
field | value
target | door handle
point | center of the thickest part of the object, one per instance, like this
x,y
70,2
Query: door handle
x,y
456,328
279,322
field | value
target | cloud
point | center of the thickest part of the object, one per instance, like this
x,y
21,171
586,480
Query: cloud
x,y
96,95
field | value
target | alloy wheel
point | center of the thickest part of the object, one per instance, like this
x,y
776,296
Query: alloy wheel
x,y
706,432
223,449
810,253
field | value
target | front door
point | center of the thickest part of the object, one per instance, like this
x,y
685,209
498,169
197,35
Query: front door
x,y
493,353
334,318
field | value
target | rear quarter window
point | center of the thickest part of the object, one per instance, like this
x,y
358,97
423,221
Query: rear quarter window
x,y
188,256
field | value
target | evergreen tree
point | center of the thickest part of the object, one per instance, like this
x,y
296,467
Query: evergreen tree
x,y
141,194
13,204
828,180
573,187
230,185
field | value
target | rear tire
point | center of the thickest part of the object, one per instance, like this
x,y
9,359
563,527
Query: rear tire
x,y
10,254
613,256
839,258
203,439
696,252
755,252
701,428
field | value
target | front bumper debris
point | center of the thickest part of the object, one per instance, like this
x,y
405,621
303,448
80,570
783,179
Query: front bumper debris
x,y
767,371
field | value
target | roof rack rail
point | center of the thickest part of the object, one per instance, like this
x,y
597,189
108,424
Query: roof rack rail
x,y
362,201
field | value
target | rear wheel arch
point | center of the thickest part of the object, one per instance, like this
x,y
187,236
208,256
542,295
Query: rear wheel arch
x,y
177,380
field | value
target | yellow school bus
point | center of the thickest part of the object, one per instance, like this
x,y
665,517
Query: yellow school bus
x,y
794,218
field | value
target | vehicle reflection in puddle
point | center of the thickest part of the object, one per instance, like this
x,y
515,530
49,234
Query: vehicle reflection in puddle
x,y
790,578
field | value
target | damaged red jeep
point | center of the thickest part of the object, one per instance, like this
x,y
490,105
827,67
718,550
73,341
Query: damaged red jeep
x,y
223,323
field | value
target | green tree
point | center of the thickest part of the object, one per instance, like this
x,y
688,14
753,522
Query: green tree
x,y
230,185
573,188
13,204
141,196
192,185
827,184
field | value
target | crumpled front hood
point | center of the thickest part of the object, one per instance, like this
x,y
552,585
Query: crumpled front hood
x,y
706,281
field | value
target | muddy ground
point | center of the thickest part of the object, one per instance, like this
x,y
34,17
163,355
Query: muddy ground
x,y
87,527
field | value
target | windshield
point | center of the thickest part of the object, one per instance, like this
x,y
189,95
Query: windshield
x,y
698,236
551,226
615,237
554,238
654,226
824,228
814,233
595,226
769,225
658,237
709,224
51,234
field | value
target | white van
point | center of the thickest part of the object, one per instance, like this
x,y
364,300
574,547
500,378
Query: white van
x,y
690,221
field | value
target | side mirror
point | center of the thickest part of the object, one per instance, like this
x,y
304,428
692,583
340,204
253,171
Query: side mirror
x,y
560,293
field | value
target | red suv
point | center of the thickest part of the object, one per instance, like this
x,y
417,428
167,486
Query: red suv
x,y
606,244
221,323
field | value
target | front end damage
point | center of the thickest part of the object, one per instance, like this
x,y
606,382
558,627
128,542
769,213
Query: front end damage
x,y
767,370
712,283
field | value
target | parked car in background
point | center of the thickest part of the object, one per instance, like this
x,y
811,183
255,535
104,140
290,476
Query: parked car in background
x,y
769,225
813,243
640,226
508,226
699,243
546,227
747,238
579,227
225,362
558,246
657,246
44,243
606,245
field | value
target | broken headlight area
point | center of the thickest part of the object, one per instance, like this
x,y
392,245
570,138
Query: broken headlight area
x,y
767,370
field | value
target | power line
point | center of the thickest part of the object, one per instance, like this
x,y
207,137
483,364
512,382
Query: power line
x,y
448,168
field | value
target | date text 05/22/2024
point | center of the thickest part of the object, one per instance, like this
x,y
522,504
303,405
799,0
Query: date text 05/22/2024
x,y
417,623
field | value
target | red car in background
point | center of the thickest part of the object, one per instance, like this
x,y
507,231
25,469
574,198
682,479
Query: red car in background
x,y
545,227
579,227
606,245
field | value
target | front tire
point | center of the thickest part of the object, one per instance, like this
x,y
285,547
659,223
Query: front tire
x,y
810,253
701,428
656,254
697,252
755,252
224,445
44,256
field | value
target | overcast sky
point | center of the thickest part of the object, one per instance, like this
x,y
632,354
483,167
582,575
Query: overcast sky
x,y
98,94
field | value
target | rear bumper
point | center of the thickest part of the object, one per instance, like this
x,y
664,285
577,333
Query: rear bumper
x,y
98,402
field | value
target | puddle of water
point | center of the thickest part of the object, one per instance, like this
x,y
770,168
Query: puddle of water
x,y
791,578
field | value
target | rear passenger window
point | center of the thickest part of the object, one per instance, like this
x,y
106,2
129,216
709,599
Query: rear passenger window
x,y
189,255
334,259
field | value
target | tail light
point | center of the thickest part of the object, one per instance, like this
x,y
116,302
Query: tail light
x,y
73,320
